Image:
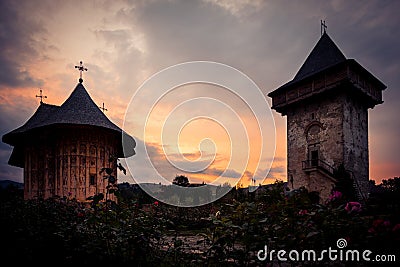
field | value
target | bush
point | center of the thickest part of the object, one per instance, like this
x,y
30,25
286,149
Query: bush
x,y
227,233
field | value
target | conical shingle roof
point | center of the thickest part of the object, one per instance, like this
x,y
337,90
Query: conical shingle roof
x,y
327,68
40,116
78,109
324,55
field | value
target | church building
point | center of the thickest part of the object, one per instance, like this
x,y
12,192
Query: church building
x,y
63,149
327,105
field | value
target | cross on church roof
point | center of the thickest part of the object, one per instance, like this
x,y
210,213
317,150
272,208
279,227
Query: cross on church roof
x,y
103,108
81,68
323,27
41,96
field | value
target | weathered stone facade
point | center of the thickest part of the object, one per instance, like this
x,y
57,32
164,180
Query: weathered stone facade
x,y
326,105
334,127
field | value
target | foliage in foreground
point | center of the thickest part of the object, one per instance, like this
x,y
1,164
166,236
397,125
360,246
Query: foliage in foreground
x,y
226,233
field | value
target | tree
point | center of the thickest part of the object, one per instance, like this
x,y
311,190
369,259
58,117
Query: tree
x,y
391,185
181,180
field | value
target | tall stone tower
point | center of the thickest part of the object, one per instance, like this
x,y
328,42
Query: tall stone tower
x,y
326,105
64,148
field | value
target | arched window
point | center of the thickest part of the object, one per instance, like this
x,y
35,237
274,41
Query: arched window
x,y
312,132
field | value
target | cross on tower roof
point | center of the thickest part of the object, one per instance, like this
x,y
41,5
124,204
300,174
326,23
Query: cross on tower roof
x,y
323,27
103,108
41,96
81,68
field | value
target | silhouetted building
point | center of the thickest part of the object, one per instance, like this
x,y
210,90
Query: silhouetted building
x,y
326,105
63,148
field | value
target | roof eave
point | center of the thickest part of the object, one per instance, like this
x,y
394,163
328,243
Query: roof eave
x,y
295,82
352,62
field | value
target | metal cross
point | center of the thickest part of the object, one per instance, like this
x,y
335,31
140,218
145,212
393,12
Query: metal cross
x,y
41,96
103,108
81,68
323,27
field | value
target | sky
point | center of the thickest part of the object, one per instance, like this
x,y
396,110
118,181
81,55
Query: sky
x,y
124,43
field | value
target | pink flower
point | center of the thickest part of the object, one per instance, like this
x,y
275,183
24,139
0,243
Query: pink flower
x,y
156,203
335,195
353,206
379,225
376,223
396,228
386,223
303,212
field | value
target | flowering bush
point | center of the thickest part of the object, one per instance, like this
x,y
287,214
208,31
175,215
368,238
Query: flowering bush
x,y
230,232
353,206
336,195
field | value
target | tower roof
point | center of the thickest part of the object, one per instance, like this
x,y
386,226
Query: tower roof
x,y
325,69
324,55
78,109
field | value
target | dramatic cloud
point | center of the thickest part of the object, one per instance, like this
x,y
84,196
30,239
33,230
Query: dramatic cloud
x,y
123,43
18,46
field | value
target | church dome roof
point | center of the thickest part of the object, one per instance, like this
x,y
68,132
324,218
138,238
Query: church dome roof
x,y
38,118
78,109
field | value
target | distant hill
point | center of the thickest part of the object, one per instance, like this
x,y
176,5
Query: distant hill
x,y
6,183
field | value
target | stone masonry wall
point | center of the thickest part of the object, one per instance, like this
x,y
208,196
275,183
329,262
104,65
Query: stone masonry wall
x,y
315,124
355,131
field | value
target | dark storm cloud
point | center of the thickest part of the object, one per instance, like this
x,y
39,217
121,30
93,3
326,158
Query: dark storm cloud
x,y
16,45
10,119
178,31
269,44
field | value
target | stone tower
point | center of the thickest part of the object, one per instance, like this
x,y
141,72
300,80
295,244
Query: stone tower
x,y
63,148
326,105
